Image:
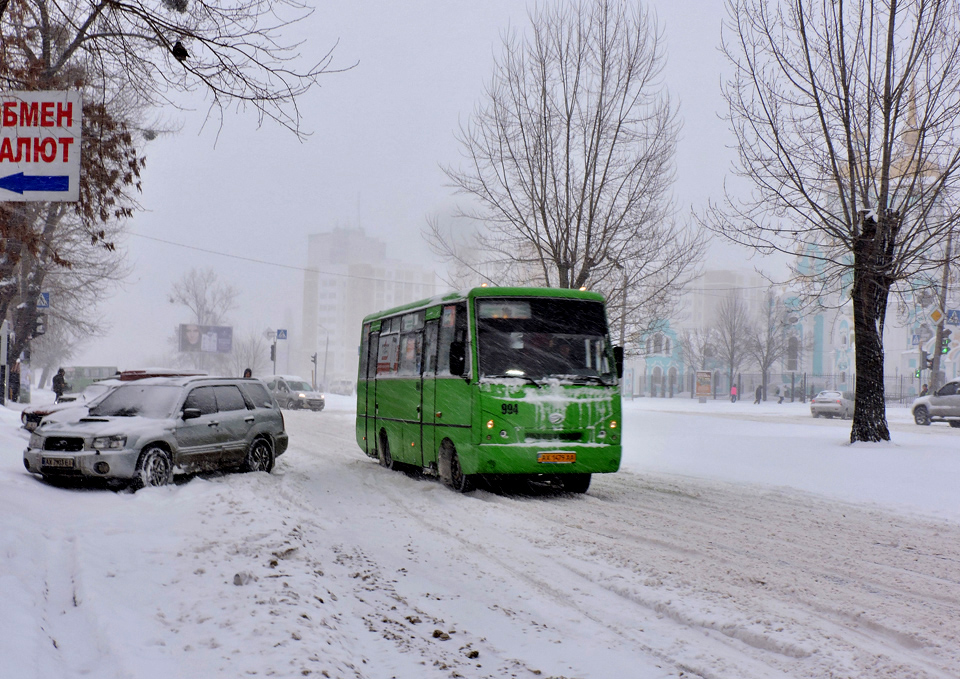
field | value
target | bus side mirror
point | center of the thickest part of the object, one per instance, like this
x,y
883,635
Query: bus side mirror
x,y
458,358
618,361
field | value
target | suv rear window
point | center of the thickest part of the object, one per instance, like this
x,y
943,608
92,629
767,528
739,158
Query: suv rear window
x,y
258,394
229,398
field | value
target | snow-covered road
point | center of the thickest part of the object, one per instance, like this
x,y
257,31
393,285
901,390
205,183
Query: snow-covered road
x,y
335,567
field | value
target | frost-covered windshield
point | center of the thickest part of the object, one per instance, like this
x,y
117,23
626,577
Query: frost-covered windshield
x,y
146,400
533,338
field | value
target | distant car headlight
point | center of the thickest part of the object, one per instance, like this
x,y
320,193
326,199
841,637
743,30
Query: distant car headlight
x,y
302,395
36,441
109,442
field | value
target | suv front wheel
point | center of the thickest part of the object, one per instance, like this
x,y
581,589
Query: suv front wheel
x,y
155,468
921,416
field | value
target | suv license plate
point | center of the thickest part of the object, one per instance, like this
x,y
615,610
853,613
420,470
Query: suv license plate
x,y
556,458
65,462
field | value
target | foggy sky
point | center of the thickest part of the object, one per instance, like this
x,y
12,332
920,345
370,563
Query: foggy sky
x,y
379,133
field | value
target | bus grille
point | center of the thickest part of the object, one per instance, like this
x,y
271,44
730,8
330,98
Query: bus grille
x,y
554,436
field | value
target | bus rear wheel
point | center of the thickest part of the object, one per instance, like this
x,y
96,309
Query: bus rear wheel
x,y
386,459
460,482
575,483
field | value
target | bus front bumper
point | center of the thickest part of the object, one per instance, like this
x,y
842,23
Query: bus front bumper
x,y
494,458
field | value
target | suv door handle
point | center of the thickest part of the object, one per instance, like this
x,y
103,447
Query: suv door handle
x,y
249,418
213,423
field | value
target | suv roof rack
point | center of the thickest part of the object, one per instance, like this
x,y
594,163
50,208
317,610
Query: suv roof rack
x,y
131,375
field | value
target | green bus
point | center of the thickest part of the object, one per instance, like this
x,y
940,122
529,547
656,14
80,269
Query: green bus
x,y
494,382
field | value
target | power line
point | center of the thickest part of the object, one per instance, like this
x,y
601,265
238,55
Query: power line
x,y
277,264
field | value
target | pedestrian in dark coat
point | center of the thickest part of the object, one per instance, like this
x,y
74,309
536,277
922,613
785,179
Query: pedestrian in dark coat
x,y
759,394
59,384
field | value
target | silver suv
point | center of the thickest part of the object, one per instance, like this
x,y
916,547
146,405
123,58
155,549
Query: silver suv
x,y
147,431
942,406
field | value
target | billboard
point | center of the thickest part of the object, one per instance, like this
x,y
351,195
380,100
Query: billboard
x,y
207,339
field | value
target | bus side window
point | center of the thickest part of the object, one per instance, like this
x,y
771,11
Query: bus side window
x,y
410,347
387,357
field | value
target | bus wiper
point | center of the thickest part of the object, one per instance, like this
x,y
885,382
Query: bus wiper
x,y
516,377
591,378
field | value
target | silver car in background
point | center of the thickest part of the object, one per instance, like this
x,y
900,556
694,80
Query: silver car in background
x,y
147,431
941,406
830,403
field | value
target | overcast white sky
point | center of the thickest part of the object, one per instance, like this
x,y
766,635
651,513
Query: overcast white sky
x,y
379,134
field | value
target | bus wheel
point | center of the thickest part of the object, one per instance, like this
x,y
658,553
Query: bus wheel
x,y
575,483
386,459
460,482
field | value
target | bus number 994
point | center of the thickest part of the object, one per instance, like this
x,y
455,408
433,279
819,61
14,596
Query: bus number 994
x,y
509,408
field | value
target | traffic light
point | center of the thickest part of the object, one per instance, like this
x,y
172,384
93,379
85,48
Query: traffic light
x,y
917,373
314,360
945,341
39,325
273,351
926,361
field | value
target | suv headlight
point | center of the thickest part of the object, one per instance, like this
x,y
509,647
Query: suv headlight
x,y
302,395
36,441
109,442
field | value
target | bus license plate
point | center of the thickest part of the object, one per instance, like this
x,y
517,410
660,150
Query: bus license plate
x,y
65,462
556,458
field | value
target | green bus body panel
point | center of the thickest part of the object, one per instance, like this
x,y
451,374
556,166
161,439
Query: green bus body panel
x,y
419,414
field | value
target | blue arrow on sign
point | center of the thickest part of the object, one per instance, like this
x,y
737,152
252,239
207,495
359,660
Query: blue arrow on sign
x,y
19,182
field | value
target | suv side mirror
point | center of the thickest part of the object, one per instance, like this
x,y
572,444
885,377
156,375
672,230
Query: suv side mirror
x,y
191,413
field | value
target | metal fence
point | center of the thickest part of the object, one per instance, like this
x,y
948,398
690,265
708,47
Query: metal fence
x,y
788,386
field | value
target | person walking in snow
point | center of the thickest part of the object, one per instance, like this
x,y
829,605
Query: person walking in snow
x,y
59,384
733,394
759,394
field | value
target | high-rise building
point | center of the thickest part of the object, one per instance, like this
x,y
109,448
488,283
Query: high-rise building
x,y
349,276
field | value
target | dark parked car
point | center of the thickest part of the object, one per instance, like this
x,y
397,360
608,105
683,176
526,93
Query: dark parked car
x,y
32,415
148,430
942,406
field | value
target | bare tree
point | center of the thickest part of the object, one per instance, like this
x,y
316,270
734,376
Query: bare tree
x,y
733,334
250,351
846,116
209,301
768,339
569,161
233,50
698,347
126,59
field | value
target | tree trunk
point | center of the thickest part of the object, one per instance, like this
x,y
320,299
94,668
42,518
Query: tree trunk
x,y
871,288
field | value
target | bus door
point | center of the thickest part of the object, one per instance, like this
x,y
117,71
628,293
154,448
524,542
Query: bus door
x,y
369,362
428,393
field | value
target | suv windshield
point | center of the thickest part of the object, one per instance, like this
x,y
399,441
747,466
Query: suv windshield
x,y
533,338
146,400
299,386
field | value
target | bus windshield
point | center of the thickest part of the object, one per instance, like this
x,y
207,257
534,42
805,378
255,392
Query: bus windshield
x,y
534,338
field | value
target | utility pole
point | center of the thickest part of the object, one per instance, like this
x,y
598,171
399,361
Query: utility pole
x,y
935,382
